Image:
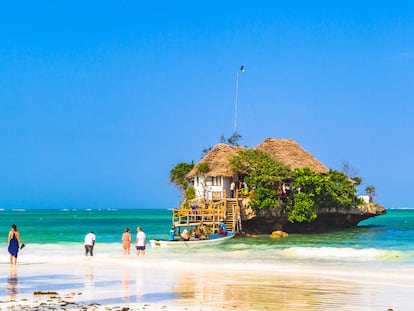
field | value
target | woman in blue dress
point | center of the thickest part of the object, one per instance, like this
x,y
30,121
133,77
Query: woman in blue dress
x,y
14,240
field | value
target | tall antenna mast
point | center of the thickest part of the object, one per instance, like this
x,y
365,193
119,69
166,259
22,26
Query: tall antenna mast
x,y
237,98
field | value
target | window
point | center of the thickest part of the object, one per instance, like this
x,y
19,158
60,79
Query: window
x,y
216,181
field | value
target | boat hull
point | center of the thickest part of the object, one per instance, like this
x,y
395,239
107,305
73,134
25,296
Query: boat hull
x,y
213,240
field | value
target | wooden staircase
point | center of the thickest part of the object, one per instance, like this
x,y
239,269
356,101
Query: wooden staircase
x,y
214,212
232,219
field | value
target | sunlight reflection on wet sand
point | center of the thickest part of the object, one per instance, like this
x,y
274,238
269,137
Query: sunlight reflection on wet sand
x,y
155,281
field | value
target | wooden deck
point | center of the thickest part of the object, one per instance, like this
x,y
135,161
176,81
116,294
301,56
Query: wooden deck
x,y
226,210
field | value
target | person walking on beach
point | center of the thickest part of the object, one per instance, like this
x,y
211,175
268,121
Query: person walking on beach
x,y
89,243
126,241
13,240
141,240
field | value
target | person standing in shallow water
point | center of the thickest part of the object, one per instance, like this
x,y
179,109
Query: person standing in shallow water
x,y
13,241
89,243
126,241
141,241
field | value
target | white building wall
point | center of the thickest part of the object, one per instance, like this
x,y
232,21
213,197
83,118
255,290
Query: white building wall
x,y
365,198
198,186
226,185
205,186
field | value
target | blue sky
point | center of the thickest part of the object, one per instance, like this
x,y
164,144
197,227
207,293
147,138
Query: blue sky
x,y
99,100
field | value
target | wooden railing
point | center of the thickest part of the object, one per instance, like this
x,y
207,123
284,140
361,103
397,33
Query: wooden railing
x,y
192,217
211,215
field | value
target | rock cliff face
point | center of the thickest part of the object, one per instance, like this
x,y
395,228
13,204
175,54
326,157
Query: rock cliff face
x,y
329,219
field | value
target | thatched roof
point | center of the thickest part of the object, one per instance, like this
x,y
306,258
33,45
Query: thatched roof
x,y
218,161
288,152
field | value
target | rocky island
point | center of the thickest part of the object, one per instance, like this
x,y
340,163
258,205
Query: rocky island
x,y
329,219
275,186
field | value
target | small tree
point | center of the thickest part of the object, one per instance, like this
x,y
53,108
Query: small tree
x,y
306,187
189,193
262,173
233,140
339,190
348,170
312,191
370,190
357,180
205,151
178,175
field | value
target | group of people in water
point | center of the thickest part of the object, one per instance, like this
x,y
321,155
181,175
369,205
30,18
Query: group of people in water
x,y
195,234
140,241
15,243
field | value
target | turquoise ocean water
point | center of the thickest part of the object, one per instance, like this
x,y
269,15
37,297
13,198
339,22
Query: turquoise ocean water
x,y
391,234
369,267
70,226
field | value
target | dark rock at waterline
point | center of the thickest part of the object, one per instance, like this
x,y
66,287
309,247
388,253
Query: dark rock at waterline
x,y
329,219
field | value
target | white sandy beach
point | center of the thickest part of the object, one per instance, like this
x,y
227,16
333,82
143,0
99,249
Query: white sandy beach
x,y
197,281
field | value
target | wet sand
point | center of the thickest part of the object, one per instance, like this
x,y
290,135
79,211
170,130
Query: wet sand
x,y
143,284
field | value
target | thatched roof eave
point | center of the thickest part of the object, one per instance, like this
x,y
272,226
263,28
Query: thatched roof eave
x,y
218,159
288,152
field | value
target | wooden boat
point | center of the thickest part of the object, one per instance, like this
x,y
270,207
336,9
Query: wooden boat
x,y
213,239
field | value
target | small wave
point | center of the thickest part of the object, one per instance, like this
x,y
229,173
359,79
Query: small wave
x,y
400,208
342,253
18,210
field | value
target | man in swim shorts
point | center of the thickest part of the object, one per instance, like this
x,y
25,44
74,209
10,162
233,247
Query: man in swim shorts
x,y
141,240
